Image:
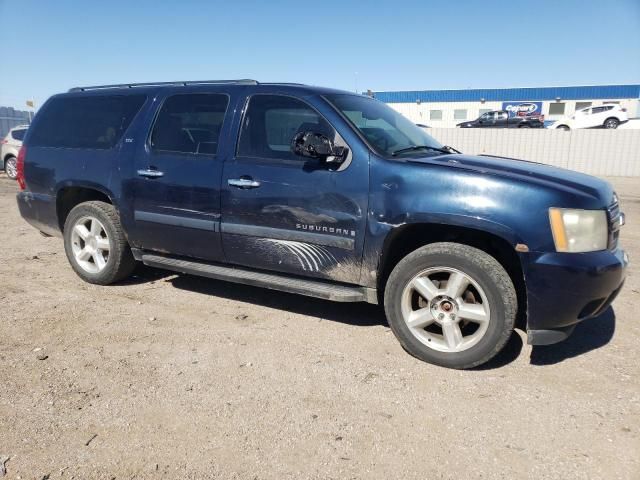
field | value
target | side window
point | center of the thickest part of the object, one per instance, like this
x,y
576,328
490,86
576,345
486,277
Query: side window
x,y
19,134
487,117
92,122
190,123
502,116
271,122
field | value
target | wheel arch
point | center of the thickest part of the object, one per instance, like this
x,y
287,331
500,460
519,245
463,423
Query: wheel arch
x,y
496,240
70,195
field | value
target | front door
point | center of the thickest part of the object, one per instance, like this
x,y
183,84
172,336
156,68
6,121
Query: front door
x,y
289,213
176,183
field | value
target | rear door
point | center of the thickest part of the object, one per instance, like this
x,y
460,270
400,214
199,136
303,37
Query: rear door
x,y
177,172
289,213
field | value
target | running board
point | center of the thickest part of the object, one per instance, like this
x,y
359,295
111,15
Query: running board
x,y
274,281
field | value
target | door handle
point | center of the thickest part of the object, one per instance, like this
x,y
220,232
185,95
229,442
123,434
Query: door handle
x,y
149,173
243,183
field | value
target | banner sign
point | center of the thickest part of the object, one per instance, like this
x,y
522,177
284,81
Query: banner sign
x,y
523,109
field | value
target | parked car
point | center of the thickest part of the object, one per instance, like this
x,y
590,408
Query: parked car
x,y
9,147
501,119
322,193
602,116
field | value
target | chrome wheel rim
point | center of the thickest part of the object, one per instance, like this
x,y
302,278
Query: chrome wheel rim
x,y
610,124
445,309
11,168
90,244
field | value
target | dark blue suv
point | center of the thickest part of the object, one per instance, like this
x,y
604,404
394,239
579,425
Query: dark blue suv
x,y
323,193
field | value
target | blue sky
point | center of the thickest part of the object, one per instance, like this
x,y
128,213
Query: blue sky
x,y
392,45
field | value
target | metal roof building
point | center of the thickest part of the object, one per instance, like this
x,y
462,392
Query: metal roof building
x,y
447,107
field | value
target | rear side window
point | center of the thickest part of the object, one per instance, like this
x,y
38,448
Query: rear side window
x,y
95,122
190,123
272,121
18,134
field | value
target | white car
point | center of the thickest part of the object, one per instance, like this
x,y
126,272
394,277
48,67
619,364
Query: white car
x,y
601,116
9,148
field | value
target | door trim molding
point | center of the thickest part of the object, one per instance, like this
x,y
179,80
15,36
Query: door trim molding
x,y
286,234
175,220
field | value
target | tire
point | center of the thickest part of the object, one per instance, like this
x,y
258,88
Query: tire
x,y
611,123
11,167
477,341
102,244
563,127
524,125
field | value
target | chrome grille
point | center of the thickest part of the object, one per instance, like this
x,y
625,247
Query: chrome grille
x,y
613,215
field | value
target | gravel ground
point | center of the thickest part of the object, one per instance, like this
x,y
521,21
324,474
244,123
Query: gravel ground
x,y
171,376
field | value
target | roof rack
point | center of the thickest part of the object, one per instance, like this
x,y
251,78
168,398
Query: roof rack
x,y
244,81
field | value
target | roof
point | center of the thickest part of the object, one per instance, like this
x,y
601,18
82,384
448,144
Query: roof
x,y
137,87
512,94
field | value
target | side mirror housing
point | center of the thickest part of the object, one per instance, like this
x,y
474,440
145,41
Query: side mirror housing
x,y
315,145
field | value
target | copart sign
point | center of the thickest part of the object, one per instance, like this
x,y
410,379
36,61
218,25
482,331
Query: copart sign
x,y
522,109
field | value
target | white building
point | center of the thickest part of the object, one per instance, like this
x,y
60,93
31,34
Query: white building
x,y
446,108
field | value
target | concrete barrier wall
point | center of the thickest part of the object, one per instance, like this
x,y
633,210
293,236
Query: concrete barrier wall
x,y
596,152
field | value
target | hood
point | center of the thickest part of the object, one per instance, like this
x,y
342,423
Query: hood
x,y
532,172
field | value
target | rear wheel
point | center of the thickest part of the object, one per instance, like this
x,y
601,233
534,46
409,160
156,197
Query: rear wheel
x,y
451,304
611,123
563,127
11,167
95,243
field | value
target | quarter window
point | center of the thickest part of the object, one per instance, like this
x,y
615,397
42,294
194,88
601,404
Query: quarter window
x,y
19,134
92,122
190,123
271,122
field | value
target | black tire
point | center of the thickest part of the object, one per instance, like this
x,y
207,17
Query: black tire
x,y
563,127
483,269
11,168
611,123
120,262
524,125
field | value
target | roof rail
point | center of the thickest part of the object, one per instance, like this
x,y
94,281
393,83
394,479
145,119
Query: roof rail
x,y
245,81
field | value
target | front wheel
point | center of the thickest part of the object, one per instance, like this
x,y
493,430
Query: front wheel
x,y
11,168
451,305
95,243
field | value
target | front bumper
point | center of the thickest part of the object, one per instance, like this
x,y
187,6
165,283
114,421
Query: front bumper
x,y
564,289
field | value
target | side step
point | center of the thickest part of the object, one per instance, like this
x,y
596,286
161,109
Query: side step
x,y
274,281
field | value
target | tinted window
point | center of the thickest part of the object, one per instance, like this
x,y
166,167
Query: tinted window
x,y
272,121
19,134
600,109
502,115
190,123
95,122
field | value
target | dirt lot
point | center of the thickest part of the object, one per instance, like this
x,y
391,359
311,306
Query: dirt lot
x,y
171,376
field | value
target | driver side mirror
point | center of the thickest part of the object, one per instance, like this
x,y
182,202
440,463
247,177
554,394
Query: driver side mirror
x,y
315,145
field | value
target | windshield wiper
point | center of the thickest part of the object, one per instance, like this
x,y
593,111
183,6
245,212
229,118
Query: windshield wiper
x,y
445,149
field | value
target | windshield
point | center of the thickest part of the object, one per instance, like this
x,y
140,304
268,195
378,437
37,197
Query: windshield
x,y
388,132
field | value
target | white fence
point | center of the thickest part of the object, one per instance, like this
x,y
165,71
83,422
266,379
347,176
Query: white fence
x,y
596,152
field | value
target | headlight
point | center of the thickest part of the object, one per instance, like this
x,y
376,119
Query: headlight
x,y
579,230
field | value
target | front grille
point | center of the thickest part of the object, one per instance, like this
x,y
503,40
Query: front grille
x,y
613,216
